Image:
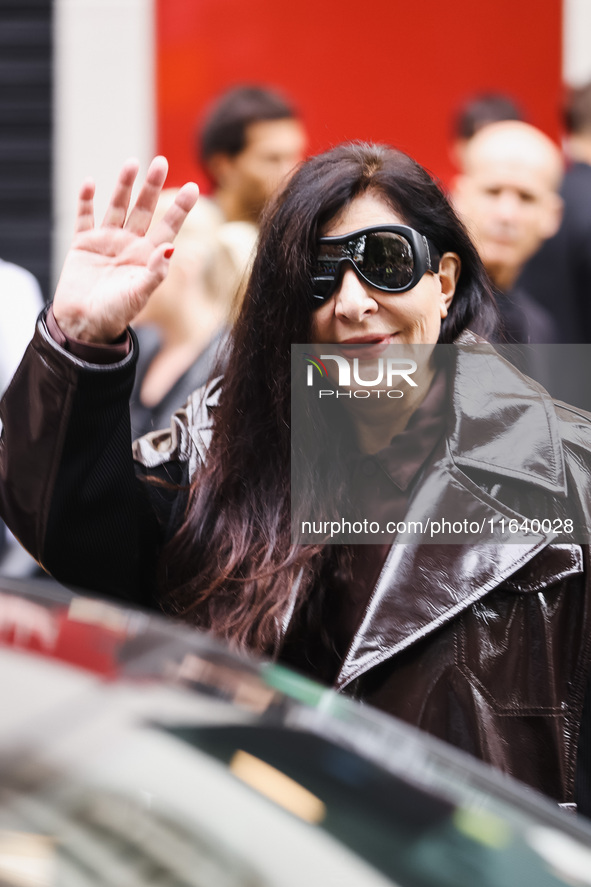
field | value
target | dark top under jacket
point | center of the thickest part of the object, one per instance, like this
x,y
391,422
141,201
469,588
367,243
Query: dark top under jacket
x,y
387,481
559,275
485,645
523,321
152,418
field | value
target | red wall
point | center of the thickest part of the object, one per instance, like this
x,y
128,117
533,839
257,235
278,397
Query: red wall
x,y
386,70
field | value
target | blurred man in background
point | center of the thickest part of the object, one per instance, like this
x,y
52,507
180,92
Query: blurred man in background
x,y
249,143
508,198
560,273
476,112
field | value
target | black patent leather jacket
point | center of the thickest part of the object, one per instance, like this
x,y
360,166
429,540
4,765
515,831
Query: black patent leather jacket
x,y
487,646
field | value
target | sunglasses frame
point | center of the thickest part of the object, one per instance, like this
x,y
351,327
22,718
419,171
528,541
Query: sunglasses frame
x,y
426,257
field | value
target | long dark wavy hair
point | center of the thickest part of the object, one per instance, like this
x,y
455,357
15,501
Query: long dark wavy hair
x,y
231,566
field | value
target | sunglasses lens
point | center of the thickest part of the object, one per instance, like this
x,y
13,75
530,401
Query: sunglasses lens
x,y
385,258
326,269
322,287
328,259
388,260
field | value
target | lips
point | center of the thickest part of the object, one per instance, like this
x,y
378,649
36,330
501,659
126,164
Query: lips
x,y
366,347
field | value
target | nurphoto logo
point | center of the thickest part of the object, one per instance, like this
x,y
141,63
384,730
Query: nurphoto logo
x,y
366,378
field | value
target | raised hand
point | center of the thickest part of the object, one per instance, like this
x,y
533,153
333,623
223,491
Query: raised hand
x,y
111,271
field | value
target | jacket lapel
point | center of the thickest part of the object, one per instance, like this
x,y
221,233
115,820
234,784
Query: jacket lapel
x,y
505,426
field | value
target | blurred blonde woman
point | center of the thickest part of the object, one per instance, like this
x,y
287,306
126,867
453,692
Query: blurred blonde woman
x,y
182,329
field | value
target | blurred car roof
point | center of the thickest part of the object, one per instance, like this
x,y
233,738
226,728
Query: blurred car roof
x,y
135,750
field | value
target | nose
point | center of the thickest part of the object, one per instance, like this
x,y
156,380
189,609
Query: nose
x,y
507,206
354,300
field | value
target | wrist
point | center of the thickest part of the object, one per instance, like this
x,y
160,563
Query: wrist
x,y
93,352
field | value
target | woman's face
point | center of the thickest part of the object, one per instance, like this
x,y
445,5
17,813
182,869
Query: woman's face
x,y
359,313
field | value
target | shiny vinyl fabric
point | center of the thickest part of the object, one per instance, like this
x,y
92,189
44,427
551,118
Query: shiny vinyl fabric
x,y
486,646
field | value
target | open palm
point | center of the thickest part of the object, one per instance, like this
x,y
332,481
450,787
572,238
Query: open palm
x,y
110,271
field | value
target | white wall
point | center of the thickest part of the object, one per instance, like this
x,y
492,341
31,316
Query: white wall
x,y
576,64
104,99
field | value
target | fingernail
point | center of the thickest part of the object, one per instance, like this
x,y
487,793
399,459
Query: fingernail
x,y
168,253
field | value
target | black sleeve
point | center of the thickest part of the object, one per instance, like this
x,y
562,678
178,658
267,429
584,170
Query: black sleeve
x,y
69,488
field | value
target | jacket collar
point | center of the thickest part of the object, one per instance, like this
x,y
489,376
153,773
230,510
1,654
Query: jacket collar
x,y
503,421
505,425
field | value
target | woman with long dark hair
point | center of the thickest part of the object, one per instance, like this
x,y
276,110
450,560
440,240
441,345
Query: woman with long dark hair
x,y
483,643
235,538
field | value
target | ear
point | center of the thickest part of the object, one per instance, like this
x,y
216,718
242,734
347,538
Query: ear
x,y
552,218
457,153
459,191
450,266
219,167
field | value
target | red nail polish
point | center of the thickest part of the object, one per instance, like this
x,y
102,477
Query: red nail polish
x,y
168,253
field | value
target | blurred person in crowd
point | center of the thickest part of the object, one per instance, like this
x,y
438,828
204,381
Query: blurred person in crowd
x,y
185,323
508,197
20,304
560,273
476,112
249,142
484,644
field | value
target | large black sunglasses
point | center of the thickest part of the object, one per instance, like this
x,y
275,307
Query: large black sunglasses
x,y
392,258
